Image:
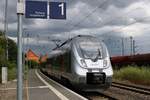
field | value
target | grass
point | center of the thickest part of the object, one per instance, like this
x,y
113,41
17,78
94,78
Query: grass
x,y
134,74
0,74
26,69
12,74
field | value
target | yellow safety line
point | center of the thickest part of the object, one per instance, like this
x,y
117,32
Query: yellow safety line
x,y
27,90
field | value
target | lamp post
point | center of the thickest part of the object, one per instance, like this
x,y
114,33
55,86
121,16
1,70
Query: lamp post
x,y
20,13
6,27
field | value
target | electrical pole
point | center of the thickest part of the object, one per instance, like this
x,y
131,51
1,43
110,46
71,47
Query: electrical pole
x,y
6,28
27,51
134,47
23,49
122,46
20,13
28,42
38,47
131,45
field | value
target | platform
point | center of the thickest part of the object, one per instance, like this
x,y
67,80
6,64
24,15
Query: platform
x,y
40,87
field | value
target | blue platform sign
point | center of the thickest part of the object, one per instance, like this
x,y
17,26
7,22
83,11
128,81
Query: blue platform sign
x,y
57,10
36,9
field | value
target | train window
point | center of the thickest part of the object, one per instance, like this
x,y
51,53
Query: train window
x,y
90,48
104,50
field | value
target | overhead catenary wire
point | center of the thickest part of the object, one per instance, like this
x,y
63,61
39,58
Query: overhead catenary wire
x,y
82,20
91,13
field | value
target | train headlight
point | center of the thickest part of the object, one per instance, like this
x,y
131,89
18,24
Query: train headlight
x,y
83,63
105,63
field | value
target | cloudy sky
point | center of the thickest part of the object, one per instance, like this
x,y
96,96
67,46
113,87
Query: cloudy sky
x,y
113,19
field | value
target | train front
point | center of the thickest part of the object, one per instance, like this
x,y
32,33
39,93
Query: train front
x,y
91,64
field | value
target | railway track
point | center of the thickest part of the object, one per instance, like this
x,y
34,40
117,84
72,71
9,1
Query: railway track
x,y
132,88
109,95
98,96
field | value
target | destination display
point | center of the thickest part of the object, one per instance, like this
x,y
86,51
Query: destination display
x,y
36,9
57,10
39,9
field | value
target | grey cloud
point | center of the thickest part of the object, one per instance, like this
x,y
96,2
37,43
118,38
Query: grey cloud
x,y
55,26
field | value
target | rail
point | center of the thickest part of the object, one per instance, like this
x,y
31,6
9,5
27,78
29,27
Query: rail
x,y
132,88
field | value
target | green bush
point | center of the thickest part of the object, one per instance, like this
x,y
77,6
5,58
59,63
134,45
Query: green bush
x,y
0,75
12,56
12,70
43,65
135,74
32,64
12,74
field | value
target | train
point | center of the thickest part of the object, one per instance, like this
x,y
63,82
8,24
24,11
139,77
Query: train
x,y
138,59
83,61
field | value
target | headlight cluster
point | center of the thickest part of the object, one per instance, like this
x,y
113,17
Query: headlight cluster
x,y
105,63
83,63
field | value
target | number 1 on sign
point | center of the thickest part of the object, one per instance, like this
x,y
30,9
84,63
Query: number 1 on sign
x,y
62,8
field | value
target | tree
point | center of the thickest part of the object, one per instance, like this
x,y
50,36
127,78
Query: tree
x,y
2,56
12,56
12,51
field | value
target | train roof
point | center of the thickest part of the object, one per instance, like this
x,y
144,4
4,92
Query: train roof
x,y
56,52
67,42
64,47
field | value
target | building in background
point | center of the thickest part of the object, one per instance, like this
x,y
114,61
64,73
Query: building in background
x,y
43,58
30,55
117,45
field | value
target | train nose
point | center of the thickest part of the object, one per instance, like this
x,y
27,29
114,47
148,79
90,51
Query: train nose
x,y
95,78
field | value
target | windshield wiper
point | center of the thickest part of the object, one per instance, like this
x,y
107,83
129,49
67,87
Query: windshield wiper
x,y
99,54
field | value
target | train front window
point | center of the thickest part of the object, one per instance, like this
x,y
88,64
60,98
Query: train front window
x,y
90,48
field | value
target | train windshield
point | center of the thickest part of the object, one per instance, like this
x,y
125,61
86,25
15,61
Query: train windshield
x,y
90,48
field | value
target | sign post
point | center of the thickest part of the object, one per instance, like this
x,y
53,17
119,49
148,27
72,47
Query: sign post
x,y
20,13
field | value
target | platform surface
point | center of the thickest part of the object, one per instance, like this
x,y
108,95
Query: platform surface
x,y
41,87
